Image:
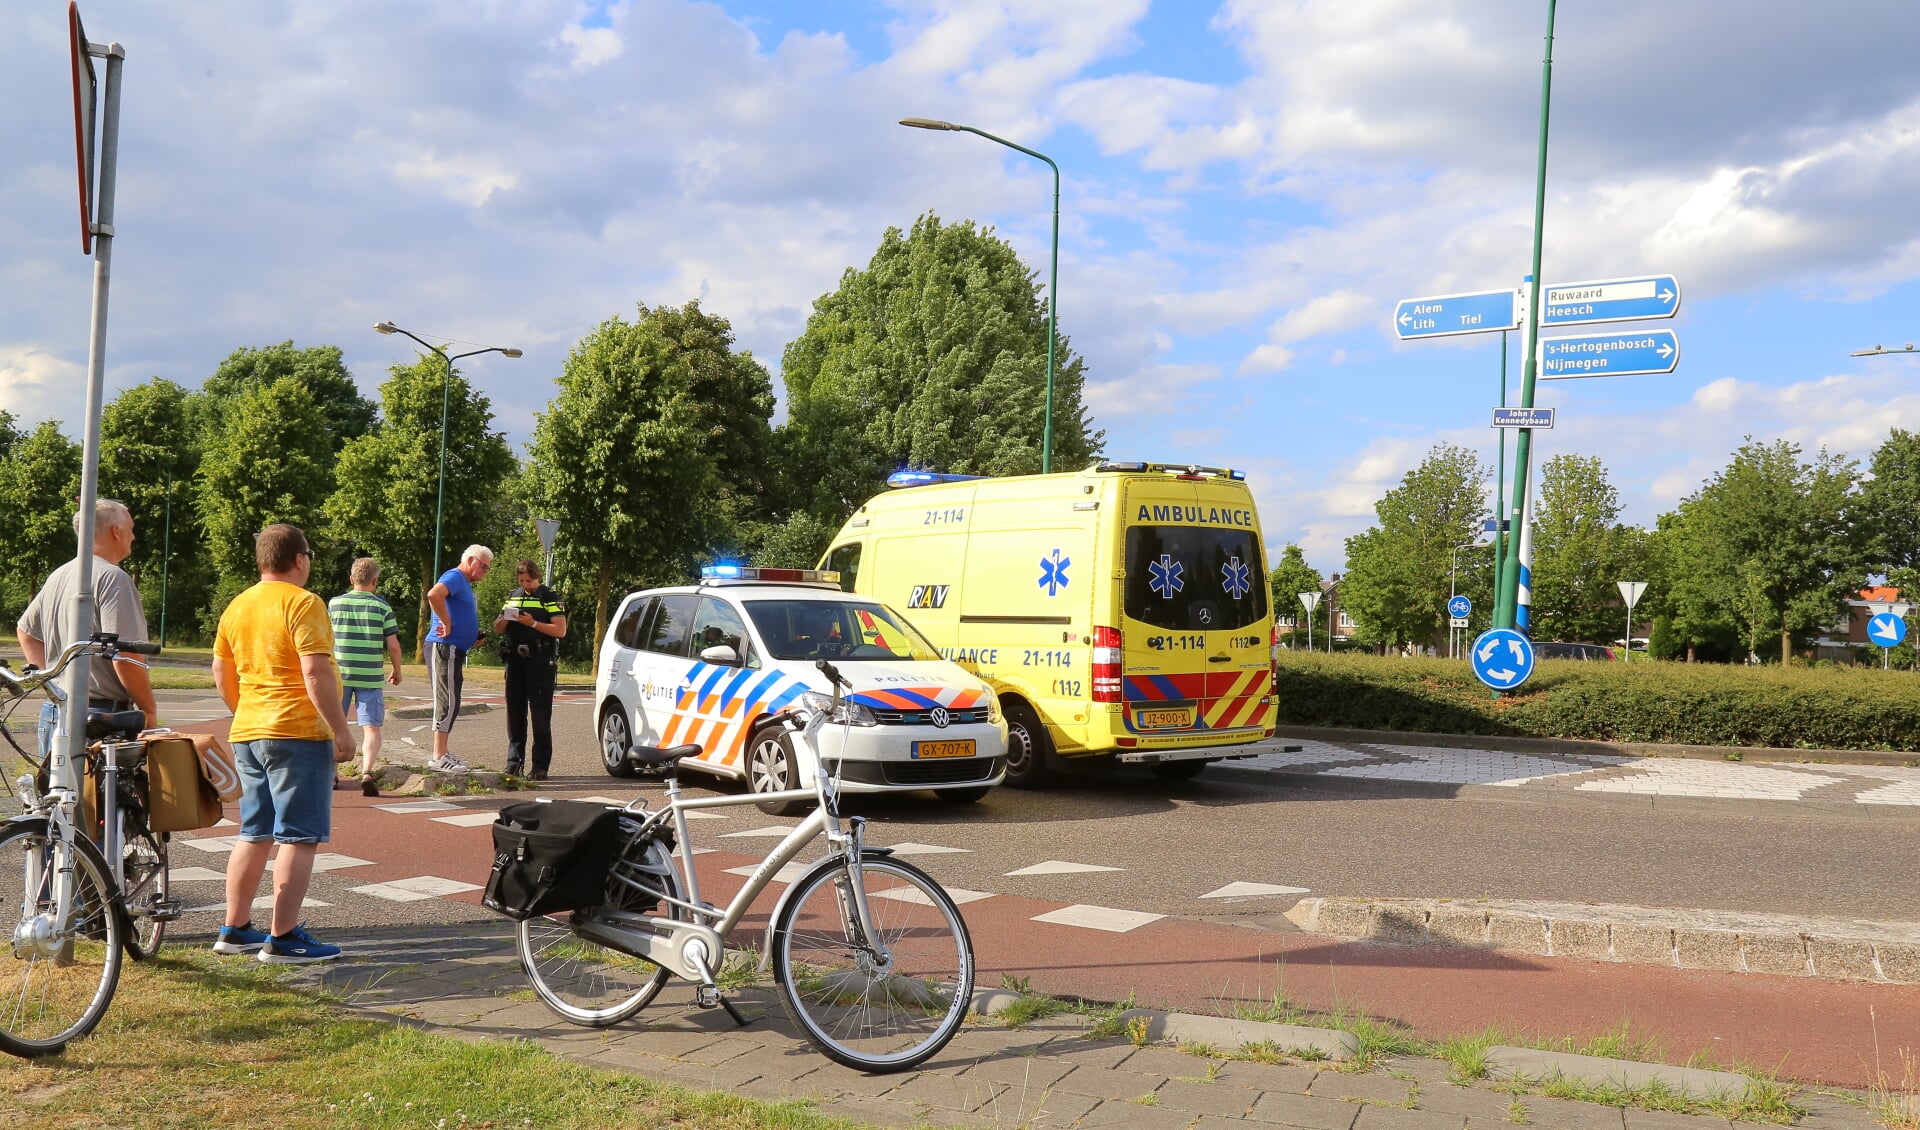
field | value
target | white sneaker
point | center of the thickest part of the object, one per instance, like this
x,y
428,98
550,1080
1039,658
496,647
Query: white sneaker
x,y
447,763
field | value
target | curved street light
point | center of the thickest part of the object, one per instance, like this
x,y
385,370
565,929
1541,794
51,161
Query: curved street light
x,y
446,386
1053,279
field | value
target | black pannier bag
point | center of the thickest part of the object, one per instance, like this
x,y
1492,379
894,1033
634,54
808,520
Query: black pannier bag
x,y
551,856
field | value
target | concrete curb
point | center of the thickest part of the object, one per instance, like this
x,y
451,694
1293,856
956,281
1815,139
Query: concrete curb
x,y
1571,747
426,712
1786,945
1534,1066
1229,1035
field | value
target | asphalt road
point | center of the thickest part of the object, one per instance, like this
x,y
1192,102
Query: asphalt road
x,y
1339,836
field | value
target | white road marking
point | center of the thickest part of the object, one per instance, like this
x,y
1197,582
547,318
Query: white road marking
x,y
771,832
601,800
223,822
209,843
1098,918
1436,765
696,814
330,861
788,871
1250,890
467,819
265,902
911,848
418,806
960,895
416,889
195,875
1060,867
1712,779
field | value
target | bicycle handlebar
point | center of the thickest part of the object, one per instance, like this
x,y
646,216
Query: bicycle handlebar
x,y
143,647
102,643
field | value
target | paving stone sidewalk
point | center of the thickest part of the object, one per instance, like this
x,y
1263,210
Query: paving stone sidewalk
x,y
466,981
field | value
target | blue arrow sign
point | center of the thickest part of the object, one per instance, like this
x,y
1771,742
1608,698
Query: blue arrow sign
x,y
1609,355
1886,630
1502,658
1459,606
1523,417
1444,315
1610,300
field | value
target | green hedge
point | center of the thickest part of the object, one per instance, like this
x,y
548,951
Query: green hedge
x,y
1688,704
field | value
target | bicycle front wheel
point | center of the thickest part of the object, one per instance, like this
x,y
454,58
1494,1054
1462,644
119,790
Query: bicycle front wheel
x,y
56,979
864,1011
143,869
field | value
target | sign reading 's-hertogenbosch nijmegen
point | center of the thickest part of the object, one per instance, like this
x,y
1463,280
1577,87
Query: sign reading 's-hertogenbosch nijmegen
x,y
1609,355
1445,314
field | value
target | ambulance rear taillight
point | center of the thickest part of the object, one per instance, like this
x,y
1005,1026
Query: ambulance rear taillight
x,y
1106,665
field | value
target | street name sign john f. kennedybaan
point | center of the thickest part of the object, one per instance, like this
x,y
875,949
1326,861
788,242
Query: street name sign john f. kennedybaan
x,y
1609,355
1523,418
1443,315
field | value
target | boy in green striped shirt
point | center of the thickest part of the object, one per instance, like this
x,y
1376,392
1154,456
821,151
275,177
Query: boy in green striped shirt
x,y
364,628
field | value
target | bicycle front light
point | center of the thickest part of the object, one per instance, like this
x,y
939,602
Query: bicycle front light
x,y
849,713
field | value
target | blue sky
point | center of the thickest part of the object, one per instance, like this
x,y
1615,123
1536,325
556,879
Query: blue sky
x,y
1249,188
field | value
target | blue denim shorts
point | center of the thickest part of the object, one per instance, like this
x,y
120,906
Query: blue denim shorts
x,y
286,790
373,704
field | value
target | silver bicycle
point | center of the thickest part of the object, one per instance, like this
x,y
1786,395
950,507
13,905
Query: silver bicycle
x,y
870,956
77,903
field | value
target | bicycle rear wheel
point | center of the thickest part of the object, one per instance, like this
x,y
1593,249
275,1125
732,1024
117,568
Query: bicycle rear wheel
x,y
143,869
583,981
55,983
862,1014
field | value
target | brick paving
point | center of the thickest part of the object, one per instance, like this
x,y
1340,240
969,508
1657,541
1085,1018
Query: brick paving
x,y
1050,1073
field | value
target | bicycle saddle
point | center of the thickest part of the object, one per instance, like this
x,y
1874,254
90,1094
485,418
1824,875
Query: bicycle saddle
x,y
122,724
653,757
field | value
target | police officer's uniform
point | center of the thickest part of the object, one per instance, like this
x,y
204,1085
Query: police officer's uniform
x,y
532,660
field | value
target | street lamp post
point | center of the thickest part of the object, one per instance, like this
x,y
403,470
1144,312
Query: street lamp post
x,y
1053,283
1453,590
446,391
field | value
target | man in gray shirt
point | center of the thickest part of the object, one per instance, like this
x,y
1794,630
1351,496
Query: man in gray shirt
x,y
112,684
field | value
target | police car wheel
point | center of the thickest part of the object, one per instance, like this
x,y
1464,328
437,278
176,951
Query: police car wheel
x,y
615,740
770,769
1027,747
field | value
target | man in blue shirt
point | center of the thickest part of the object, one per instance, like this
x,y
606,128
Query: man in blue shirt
x,y
454,631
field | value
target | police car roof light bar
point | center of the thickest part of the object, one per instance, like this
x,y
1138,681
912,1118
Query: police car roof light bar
x,y
900,479
712,573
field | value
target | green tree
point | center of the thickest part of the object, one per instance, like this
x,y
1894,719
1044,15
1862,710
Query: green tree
x,y
1769,544
268,462
732,396
621,457
1290,577
1581,551
796,543
1398,571
934,357
39,480
148,458
1889,503
318,369
387,480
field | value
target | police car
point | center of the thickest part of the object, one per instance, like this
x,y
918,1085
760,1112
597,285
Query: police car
x,y
711,664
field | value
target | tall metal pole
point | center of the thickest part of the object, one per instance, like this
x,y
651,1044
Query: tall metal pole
x,y
1504,608
81,624
1500,481
166,557
440,492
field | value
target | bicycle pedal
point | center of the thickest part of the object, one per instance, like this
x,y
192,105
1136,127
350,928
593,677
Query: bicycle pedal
x,y
707,996
166,910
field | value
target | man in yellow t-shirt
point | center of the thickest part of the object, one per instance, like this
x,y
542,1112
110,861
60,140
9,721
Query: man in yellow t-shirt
x,y
273,664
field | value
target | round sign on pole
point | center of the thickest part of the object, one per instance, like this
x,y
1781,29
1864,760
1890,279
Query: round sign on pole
x,y
1886,630
1502,658
1459,607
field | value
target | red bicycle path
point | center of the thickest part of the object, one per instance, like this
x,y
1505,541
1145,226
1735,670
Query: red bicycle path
x,y
1812,1030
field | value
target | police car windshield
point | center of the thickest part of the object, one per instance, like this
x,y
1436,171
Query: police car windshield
x,y
837,630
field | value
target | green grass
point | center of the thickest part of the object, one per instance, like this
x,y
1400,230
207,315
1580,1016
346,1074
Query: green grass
x,y
1688,704
194,1041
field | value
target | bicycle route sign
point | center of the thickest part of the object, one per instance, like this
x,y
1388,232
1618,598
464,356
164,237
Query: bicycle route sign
x,y
1459,606
1502,658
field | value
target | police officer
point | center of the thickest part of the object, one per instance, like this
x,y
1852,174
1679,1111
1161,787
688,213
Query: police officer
x,y
530,629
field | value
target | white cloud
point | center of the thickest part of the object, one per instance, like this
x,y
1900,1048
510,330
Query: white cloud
x,y
34,381
1326,314
591,46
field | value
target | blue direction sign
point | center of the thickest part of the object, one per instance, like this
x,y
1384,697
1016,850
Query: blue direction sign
x,y
1609,355
1446,314
1610,300
1459,606
1886,630
1502,658
1523,417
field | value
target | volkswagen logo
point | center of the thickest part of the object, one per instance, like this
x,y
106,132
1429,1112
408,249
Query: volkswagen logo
x,y
938,716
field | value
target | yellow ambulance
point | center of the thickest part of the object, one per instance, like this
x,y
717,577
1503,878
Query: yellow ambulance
x,y
1120,613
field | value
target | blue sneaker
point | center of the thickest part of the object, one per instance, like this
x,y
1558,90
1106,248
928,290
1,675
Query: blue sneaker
x,y
296,947
239,939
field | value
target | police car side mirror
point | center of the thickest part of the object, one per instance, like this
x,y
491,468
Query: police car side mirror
x,y
721,656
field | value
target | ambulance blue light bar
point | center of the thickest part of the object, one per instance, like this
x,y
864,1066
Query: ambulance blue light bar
x,y
900,479
712,573
1184,470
